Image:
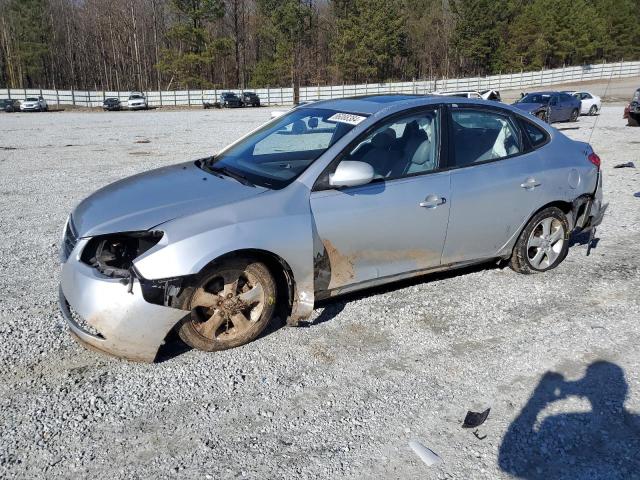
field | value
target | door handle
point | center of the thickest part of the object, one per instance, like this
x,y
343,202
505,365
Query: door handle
x,y
432,201
530,183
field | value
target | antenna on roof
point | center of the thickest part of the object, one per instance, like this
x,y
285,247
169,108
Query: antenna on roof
x,y
606,89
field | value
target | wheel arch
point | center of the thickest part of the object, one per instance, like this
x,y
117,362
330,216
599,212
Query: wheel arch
x,y
277,266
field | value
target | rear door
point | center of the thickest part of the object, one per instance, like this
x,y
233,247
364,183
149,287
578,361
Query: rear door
x,y
494,182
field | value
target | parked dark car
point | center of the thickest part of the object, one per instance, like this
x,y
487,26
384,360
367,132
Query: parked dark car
x,y
250,99
230,100
9,105
111,104
632,111
550,106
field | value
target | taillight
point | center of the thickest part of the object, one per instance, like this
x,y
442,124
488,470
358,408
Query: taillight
x,y
595,159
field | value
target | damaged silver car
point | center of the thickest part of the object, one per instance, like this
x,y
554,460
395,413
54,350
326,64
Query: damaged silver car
x,y
331,197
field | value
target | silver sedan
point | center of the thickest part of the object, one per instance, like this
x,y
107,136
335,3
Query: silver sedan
x,y
331,197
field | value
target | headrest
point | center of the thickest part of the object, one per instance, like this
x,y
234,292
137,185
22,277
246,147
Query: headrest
x,y
298,127
383,139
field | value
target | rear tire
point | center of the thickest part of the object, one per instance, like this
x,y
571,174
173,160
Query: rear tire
x,y
633,120
593,110
543,244
231,303
574,115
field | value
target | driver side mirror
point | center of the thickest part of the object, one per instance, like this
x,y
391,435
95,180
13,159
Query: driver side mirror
x,y
351,174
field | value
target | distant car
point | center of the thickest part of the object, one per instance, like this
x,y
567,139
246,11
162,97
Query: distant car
x,y
34,104
632,111
590,104
550,106
137,101
9,105
250,99
473,94
462,94
111,104
229,100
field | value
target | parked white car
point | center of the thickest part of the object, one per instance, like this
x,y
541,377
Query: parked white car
x,y
590,104
485,94
34,104
137,101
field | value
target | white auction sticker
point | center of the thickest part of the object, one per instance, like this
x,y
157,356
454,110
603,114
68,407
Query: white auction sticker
x,y
346,118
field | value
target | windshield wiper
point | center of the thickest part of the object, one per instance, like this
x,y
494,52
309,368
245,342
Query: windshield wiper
x,y
230,173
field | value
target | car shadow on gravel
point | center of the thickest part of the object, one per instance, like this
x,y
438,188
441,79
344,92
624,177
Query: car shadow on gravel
x,y
601,443
334,305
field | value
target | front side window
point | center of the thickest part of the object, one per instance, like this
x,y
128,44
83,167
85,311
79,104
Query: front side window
x,y
481,135
277,153
405,146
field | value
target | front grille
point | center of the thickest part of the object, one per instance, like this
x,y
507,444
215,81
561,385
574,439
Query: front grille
x,y
70,239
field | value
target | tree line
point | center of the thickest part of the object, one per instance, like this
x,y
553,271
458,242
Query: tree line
x,y
179,44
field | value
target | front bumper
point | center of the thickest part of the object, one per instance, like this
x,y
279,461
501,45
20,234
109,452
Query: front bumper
x,y
124,324
33,108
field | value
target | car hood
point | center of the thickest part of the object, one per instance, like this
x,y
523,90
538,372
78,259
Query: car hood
x,y
148,199
530,107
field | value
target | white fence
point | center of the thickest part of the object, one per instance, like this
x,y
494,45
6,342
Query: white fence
x,y
284,96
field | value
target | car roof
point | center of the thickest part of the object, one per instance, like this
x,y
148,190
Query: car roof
x,y
370,104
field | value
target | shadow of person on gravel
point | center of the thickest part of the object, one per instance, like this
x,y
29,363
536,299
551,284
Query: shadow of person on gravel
x,y
602,443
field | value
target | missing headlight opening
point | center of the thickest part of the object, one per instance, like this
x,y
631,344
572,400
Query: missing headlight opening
x,y
113,255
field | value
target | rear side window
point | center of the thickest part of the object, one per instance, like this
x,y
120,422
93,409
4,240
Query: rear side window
x,y
482,135
536,135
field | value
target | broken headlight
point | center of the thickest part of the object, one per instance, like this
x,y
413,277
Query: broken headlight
x,y
113,255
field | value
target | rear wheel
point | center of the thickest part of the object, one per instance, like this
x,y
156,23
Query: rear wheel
x,y
231,303
633,120
593,110
543,244
574,115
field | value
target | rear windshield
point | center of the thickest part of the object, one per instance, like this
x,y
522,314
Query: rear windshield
x,y
536,98
277,153
32,99
136,97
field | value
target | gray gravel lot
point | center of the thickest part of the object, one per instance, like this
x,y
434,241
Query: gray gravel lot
x,y
342,398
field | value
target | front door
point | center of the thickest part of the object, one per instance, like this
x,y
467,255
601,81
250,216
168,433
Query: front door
x,y
395,225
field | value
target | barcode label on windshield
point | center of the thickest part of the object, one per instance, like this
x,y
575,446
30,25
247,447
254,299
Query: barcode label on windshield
x,y
346,118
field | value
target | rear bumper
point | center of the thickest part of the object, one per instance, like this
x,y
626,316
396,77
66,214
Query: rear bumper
x,y
597,207
110,319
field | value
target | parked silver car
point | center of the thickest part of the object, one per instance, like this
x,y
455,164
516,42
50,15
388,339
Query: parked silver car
x,y
329,198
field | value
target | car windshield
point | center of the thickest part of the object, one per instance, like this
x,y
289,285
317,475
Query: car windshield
x,y
535,98
228,95
32,99
136,97
277,153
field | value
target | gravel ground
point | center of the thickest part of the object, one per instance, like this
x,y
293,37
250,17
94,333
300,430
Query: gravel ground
x,y
342,398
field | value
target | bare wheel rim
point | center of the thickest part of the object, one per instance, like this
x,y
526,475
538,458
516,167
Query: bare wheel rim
x,y
228,305
545,243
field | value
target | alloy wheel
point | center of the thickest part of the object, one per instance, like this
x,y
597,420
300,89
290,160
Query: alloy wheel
x,y
545,243
228,305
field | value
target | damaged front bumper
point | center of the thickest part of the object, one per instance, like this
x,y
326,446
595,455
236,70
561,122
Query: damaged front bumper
x,y
111,316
